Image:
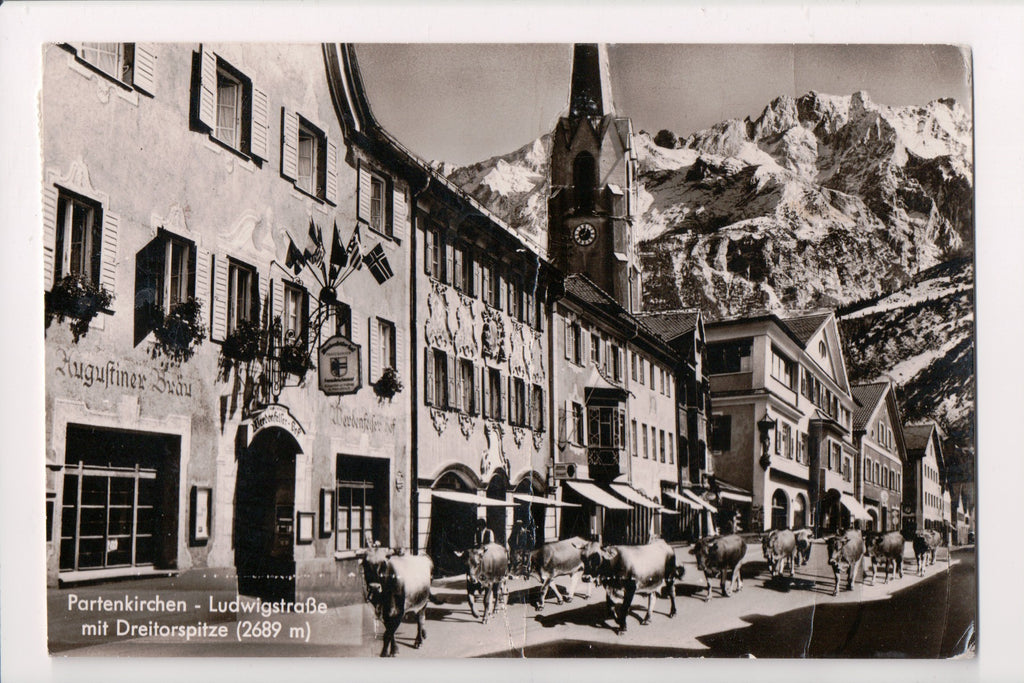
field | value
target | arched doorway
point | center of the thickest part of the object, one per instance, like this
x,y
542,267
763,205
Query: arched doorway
x,y
584,179
799,511
264,524
452,526
497,517
780,510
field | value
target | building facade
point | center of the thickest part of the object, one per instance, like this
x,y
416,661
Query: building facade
x,y
922,479
221,452
878,435
781,426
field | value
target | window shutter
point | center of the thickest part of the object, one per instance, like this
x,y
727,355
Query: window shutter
x,y
500,279
449,257
399,213
540,313
451,380
289,144
485,284
354,329
428,376
503,393
207,88
202,292
476,275
399,347
219,304
144,69
478,372
485,392
332,172
428,247
277,299
528,401
262,307
191,270
374,340
460,386
568,339
363,203
49,234
260,137
307,335
108,251
565,420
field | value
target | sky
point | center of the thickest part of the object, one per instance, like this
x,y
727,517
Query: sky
x,y
464,103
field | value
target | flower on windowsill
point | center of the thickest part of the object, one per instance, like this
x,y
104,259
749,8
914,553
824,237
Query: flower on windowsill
x,y
388,385
180,331
242,344
293,358
77,298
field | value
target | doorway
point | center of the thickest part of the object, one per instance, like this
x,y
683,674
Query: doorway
x,y
264,529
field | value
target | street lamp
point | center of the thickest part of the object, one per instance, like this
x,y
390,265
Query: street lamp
x,y
765,426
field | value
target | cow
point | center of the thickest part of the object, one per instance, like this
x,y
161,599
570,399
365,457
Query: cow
x,y
887,548
779,548
925,545
397,585
845,552
559,558
721,555
487,572
803,545
635,569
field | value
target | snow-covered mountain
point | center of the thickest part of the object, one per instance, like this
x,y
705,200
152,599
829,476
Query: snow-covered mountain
x,y
820,201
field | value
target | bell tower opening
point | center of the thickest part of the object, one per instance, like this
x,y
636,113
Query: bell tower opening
x,y
584,179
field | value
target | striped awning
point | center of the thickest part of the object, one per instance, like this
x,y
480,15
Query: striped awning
x,y
471,499
699,501
738,497
684,500
527,498
633,496
853,505
597,496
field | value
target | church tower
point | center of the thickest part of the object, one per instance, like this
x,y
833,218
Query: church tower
x,y
593,184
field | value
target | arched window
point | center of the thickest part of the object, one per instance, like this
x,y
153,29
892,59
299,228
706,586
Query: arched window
x,y
584,179
780,510
799,511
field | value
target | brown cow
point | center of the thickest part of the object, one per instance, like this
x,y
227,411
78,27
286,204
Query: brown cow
x,y
803,545
635,569
925,544
486,571
397,585
779,549
559,558
887,548
845,552
724,555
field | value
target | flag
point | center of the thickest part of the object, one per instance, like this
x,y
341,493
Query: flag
x,y
339,257
354,251
295,260
314,251
378,264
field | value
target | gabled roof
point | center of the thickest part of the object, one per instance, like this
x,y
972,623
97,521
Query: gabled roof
x,y
805,326
867,397
670,325
917,436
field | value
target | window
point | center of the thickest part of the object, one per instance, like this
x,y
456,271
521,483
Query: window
x,y
311,176
229,109
437,378
661,444
732,356
518,412
632,365
577,423
783,369
494,393
342,320
241,281
467,387
463,259
787,441
642,370
164,277
435,255
822,350
293,319
573,342
802,453
117,60
537,408
79,237
721,432
606,426
616,359
595,348
877,473
632,433
671,458
377,204
386,344
651,365
355,515
236,114
584,179
647,449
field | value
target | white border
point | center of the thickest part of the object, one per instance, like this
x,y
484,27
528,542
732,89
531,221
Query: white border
x,y
993,32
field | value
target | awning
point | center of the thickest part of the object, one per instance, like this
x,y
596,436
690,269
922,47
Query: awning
x,y
598,496
683,499
855,508
666,511
738,497
634,496
471,499
527,498
699,501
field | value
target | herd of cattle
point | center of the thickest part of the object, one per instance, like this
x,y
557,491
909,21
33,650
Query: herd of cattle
x,y
398,584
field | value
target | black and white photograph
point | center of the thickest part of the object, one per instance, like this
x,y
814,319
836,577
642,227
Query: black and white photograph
x,y
572,349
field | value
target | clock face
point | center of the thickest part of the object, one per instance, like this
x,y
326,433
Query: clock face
x,y
584,234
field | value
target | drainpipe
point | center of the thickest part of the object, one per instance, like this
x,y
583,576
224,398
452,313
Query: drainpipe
x,y
414,355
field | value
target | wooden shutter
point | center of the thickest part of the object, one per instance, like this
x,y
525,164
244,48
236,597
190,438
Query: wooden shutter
x,y
460,387
262,307
260,138
144,69
363,203
428,376
289,144
355,328
567,433
485,284
567,338
475,285
428,246
485,392
49,235
207,88
108,251
277,299
399,214
457,270
448,246
503,388
374,341
332,172
451,380
399,347
500,278
219,302
528,404
478,380
202,292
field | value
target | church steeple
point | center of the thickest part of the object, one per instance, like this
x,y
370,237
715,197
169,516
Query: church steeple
x,y
591,90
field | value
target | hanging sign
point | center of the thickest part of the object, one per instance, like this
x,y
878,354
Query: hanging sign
x,y
340,369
